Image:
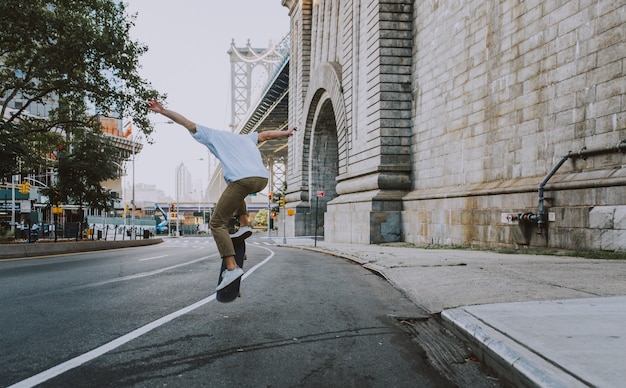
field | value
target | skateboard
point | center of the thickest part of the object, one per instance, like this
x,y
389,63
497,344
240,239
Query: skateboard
x,y
232,291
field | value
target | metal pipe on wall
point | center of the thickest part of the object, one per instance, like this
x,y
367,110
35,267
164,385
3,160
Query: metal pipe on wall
x,y
583,153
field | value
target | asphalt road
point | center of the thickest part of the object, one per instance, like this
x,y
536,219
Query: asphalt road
x,y
147,317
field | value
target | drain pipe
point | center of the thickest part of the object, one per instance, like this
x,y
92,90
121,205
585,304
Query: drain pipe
x,y
583,153
539,217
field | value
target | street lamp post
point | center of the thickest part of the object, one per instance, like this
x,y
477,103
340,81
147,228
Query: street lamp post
x,y
12,203
132,201
123,198
180,166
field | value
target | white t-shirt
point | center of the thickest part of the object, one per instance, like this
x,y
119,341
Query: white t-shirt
x,y
239,155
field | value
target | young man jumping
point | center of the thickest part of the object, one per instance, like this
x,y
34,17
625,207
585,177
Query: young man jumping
x,y
244,173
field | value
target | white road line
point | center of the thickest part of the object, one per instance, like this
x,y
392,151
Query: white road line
x,y
116,343
150,273
152,258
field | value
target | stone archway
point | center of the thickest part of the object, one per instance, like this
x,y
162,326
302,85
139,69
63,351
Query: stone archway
x,y
323,163
321,152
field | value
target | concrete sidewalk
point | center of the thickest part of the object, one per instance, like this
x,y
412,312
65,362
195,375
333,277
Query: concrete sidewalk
x,y
547,321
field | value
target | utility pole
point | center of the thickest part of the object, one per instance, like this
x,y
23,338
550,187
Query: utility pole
x,y
13,203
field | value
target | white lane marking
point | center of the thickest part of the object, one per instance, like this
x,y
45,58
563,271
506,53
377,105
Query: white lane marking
x,y
251,270
152,258
150,273
116,343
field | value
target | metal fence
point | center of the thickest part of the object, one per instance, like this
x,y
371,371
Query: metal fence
x,y
79,231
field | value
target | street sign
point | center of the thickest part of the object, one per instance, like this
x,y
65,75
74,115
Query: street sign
x,y
320,193
8,206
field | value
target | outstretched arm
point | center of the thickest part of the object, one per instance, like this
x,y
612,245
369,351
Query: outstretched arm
x,y
269,135
156,107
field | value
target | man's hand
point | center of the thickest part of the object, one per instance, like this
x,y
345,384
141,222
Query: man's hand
x,y
269,135
155,106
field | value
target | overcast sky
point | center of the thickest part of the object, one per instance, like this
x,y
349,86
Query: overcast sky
x,y
187,60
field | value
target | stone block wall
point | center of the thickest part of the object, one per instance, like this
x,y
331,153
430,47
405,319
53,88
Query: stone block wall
x,y
448,114
502,91
355,60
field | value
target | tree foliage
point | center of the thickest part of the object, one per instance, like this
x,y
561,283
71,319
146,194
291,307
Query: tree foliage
x,y
81,170
63,63
261,217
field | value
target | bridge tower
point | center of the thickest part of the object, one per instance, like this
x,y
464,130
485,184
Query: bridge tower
x,y
250,71
245,79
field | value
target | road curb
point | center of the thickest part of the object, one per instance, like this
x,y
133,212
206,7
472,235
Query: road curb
x,y
326,251
510,360
10,251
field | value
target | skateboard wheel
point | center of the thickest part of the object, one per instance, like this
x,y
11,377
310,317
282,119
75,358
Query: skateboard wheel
x,y
239,295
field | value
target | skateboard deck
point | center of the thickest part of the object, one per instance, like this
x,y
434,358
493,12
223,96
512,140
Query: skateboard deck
x,y
232,291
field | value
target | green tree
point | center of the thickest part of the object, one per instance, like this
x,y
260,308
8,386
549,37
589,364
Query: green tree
x,y
82,166
261,217
63,63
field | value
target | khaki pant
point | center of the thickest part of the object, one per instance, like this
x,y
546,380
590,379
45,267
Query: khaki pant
x,y
232,203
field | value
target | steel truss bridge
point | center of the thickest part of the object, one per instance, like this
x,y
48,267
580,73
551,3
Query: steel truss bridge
x,y
260,109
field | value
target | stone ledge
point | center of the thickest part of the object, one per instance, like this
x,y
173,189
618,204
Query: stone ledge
x,y
569,181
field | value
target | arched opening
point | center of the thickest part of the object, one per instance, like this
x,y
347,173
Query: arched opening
x,y
323,164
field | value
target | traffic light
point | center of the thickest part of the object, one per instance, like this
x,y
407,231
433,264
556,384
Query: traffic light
x,y
173,208
24,188
282,201
271,195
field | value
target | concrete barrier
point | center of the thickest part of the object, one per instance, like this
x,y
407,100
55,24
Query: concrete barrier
x,y
8,251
